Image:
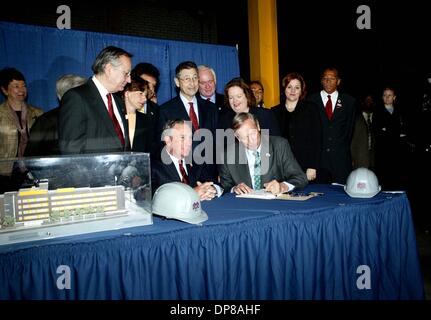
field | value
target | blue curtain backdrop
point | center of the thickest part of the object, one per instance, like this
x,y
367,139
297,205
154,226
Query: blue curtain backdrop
x,y
43,54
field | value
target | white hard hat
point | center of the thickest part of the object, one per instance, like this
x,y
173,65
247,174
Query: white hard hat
x,y
362,183
176,200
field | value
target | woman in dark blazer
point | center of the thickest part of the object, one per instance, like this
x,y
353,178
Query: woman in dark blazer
x,y
300,124
135,96
239,98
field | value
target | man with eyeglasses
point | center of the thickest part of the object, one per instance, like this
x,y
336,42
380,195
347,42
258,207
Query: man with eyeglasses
x,y
208,85
91,117
337,114
189,106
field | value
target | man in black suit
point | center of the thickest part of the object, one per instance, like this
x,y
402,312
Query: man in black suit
x,y
176,164
151,74
189,106
208,85
258,161
43,139
187,81
91,117
337,113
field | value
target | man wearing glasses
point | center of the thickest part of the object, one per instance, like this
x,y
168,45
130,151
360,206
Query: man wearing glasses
x,y
91,119
189,106
208,85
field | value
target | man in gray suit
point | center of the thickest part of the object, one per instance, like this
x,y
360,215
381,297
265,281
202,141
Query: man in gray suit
x,y
258,161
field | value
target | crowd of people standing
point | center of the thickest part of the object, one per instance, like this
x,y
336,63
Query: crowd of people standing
x,y
326,133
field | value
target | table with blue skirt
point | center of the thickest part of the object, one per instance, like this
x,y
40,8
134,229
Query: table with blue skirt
x,y
328,247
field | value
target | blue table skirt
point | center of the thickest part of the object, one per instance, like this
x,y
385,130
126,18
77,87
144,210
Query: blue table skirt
x,y
248,249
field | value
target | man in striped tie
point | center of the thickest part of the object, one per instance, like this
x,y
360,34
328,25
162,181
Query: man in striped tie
x,y
258,161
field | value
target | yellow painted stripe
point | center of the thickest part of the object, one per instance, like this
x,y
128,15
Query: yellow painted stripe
x,y
32,193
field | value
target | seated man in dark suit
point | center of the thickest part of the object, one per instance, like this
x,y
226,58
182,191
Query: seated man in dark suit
x,y
175,164
258,161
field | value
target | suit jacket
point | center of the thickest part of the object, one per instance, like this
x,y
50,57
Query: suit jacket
x,y
337,134
361,155
207,114
162,173
9,136
44,135
220,104
174,109
277,160
8,131
303,130
85,125
144,139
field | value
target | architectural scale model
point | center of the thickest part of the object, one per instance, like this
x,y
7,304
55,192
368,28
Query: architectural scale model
x,y
40,206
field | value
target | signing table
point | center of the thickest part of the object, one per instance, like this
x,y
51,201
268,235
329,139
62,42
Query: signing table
x,y
328,247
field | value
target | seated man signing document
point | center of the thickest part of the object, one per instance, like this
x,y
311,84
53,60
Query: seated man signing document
x,y
258,161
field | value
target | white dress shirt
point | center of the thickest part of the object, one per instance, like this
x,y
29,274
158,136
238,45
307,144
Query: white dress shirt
x,y
187,106
175,160
334,98
103,92
250,162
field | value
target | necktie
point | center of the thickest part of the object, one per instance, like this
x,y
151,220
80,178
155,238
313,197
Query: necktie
x,y
193,117
257,178
184,177
209,99
328,108
114,119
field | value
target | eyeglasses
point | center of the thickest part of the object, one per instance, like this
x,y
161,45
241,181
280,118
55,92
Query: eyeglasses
x,y
204,83
189,79
126,74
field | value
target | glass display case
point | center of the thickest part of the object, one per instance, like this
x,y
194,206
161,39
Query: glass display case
x,y
49,197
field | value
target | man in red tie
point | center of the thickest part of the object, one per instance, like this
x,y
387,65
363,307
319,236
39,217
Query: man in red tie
x,y
337,114
176,164
189,106
91,118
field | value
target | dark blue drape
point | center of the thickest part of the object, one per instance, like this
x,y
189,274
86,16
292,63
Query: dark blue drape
x,y
43,54
248,249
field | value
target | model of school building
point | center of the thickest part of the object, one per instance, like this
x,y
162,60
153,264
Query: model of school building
x,y
38,205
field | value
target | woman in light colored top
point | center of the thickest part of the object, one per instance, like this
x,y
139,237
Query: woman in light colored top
x,y
300,124
16,116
